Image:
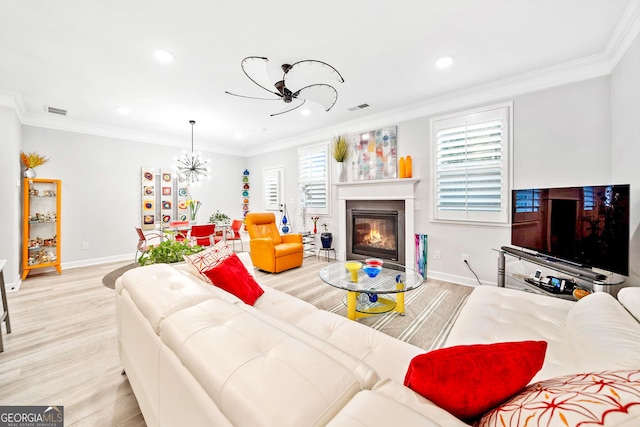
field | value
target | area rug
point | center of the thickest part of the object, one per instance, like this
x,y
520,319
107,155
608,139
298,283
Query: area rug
x,y
430,310
109,280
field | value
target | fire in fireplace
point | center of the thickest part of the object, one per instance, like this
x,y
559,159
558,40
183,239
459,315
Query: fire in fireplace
x,y
375,229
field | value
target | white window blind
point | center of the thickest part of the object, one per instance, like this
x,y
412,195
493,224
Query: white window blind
x,y
313,163
471,166
272,188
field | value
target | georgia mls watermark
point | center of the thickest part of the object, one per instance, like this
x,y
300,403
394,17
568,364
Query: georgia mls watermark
x,y
31,416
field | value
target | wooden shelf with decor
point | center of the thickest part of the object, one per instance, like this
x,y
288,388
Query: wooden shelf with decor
x,y
41,224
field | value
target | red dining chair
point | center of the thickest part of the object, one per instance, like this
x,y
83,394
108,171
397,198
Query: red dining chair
x,y
203,235
234,233
143,241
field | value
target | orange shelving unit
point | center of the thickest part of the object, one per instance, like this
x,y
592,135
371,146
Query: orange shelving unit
x,y
41,224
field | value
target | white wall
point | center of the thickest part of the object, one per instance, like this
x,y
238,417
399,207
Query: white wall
x,y
561,138
625,142
101,189
10,195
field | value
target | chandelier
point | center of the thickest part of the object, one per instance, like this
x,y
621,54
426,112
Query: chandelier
x,y
191,167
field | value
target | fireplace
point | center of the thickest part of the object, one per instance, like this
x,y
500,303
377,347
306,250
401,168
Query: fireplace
x,y
376,229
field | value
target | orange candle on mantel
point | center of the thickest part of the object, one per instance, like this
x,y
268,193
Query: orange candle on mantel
x,y
402,169
408,167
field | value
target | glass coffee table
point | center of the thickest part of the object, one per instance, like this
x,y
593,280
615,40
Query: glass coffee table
x,y
372,295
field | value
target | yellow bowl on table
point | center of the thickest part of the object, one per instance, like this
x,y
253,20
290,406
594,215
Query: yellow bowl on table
x,y
353,267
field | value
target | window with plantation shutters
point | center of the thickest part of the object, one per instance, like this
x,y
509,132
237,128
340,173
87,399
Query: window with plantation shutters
x,y
313,177
272,187
471,166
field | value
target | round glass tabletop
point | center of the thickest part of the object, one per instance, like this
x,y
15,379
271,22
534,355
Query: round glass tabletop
x,y
392,278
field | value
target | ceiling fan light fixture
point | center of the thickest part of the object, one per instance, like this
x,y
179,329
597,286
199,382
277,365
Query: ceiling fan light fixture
x,y
191,167
299,82
163,55
444,62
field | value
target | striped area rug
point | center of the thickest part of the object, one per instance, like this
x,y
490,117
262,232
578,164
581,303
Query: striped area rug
x,y
430,310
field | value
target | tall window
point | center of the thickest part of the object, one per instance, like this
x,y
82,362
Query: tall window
x,y
272,190
470,164
313,177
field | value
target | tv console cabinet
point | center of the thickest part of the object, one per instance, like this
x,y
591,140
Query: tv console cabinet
x,y
580,277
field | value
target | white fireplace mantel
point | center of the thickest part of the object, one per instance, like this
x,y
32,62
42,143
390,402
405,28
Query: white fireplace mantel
x,y
382,189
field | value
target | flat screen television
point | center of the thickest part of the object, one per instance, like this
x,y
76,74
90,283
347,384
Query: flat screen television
x,y
587,226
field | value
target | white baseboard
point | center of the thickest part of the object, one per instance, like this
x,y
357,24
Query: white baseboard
x,y
459,280
96,261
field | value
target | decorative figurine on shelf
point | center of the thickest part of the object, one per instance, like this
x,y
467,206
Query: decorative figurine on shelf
x,y
285,220
315,223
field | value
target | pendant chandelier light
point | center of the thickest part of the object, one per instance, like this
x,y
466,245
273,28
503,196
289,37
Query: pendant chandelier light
x,y
190,166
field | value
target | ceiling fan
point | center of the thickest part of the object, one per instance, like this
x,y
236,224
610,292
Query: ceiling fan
x,y
301,81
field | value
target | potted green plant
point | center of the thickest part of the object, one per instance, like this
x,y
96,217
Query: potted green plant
x,y
340,152
219,218
326,238
167,252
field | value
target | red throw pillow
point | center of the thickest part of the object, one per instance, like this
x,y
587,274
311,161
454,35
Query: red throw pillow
x,y
469,380
232,276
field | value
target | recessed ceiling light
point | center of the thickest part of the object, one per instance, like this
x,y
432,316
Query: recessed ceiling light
x,y
444,62
305,111
122,110
163,55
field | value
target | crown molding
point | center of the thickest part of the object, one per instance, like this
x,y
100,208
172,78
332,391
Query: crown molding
x,y
624,34
67,124
13,100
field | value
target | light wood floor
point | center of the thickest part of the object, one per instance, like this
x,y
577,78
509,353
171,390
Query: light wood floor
x,y
63,351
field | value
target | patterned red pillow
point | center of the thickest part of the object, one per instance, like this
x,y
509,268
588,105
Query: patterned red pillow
x,y
232,276
608,398
208,259
469,380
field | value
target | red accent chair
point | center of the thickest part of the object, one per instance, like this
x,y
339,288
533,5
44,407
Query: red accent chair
x,y
203,235
234,233
143,241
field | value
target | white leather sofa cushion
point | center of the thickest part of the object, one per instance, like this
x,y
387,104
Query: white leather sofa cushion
x,y
388,356
603,334
415,401
492,314
159,290
369,409
630,299
365,373
263,376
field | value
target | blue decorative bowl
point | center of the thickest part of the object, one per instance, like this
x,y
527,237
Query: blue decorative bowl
x,y
372,271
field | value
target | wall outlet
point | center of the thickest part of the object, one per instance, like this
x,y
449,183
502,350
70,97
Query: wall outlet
x,y
465,257
85,246
436,254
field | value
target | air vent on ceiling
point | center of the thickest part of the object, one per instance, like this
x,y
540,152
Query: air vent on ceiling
x,y
358,107
58,111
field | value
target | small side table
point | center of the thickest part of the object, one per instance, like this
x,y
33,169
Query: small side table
x,y
4,317
327,251
309,244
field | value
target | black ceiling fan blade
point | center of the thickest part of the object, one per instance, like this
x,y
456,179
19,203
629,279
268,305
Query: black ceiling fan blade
x,y
323,94
286,110
254,97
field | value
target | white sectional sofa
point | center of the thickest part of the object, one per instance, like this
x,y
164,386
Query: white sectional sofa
x,y
196,355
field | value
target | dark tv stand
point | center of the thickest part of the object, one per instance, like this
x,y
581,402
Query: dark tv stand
x,y
581,277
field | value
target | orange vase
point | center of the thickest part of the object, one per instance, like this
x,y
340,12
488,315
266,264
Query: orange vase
x,y
408,167
402,168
